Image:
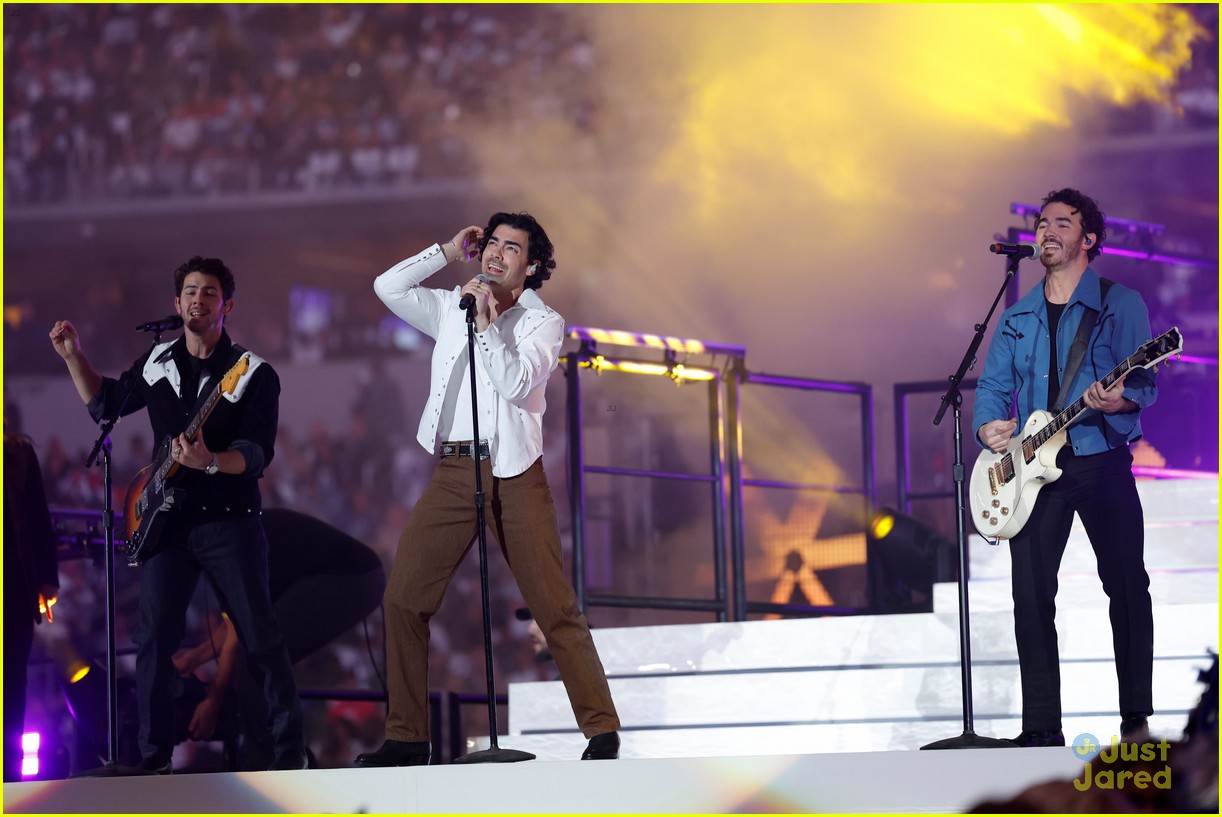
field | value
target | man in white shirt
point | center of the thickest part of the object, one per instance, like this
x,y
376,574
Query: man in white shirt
x,y
518,340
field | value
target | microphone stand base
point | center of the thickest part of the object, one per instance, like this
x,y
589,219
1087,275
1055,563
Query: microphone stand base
x,y
497,755
114,770
970,740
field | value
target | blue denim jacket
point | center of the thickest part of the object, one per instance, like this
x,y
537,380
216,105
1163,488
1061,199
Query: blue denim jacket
x,y
1017,363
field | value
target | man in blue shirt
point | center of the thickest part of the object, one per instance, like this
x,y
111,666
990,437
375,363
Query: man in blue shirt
x,y
1026,363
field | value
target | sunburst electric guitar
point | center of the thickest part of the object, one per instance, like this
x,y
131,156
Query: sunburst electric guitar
x,y
1004,486
153,492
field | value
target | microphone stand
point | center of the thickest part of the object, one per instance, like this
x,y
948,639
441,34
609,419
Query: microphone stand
x,y
102,446
493,754
954,398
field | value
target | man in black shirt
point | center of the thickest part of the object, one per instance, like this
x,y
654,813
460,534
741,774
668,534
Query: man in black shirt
x,y
216,527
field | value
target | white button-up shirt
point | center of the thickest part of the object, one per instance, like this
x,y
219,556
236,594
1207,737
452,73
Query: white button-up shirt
x,y
515,356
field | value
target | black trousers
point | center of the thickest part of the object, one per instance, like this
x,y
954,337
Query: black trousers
x,y
1101,489
312,613
232,552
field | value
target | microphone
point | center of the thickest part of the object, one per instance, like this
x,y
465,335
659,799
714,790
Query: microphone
x,y
1019,250
163,325
467,301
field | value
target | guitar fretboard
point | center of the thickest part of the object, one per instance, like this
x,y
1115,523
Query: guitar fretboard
x,y
1072,411
193,428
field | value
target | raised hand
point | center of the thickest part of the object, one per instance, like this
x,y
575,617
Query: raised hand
x,y
65,340
464,245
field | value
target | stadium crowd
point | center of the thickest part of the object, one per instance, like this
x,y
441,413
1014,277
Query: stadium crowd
x,y
120,101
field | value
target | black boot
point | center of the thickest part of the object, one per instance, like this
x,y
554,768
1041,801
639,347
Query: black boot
x,y
397,753
1031,738
294,759
157,764
602,747
1134,729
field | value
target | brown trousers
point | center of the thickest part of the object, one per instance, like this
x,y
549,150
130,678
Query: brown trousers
x,y
438,535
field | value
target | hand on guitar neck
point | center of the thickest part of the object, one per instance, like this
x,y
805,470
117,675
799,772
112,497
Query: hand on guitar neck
x,y
191,454
1110,400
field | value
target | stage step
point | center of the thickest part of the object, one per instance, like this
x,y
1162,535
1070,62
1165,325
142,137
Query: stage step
x,y
880,683
780,739
820,685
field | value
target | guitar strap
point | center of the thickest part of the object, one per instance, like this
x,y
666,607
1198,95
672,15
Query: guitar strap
x,y
1078,350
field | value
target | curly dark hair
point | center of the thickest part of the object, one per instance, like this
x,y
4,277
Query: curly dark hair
x,y
208,266
1093,220
539,249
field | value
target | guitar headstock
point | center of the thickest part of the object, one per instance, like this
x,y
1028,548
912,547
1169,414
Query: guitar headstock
x,y
1159,349
230,381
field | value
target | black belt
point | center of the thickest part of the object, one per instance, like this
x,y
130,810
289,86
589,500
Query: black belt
x,y
464,449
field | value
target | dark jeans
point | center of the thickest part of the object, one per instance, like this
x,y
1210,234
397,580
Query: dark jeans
x,y
233,554
313,612
1101,489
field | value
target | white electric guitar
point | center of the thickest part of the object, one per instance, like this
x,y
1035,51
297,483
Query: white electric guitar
x,y
1004,486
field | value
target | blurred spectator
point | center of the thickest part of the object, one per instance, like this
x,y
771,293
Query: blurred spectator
x,y
31,582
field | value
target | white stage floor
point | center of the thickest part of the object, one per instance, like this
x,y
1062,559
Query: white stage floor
x,y
914,781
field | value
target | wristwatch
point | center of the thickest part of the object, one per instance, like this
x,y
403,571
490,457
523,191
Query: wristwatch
x,y
213,466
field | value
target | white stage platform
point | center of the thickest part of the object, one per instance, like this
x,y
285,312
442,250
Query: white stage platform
x,y
887,683
943,781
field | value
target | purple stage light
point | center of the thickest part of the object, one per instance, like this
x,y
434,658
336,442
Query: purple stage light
x,y
805,383
30,741
1171,473
1159,257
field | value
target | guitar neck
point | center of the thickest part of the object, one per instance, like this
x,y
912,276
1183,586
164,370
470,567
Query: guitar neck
x,y
202,414
1077,407
193,429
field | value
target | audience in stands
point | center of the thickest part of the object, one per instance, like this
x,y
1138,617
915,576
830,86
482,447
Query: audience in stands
x,y
119,101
